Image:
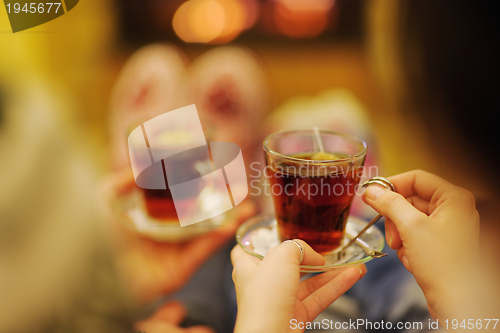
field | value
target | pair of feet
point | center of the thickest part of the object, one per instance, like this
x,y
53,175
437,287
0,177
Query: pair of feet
x,y
227,85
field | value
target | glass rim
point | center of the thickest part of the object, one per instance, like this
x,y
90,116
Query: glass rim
x,y
344,135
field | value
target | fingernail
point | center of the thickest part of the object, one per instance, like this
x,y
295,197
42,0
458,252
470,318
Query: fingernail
x,y
406,263
374,192
360,271
389,240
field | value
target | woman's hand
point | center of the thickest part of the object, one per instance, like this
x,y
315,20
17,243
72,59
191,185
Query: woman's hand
x,y
167,319
434,226
151,268
270,294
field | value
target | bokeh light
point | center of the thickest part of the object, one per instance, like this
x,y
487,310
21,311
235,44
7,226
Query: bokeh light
x,y
302,18
214,21
181,25
235,21
252,8
206,19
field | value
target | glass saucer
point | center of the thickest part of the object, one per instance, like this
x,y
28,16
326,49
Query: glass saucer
x,y
129,208
259,234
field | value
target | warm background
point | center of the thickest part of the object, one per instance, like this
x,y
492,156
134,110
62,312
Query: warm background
x,y
75,60
79,56
426,85
353,45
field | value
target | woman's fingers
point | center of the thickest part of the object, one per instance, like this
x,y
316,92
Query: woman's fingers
x,y
166,319
243,262
310,257
322,297
403,258
420,183
392,236
285,256
288,253
171,312
197,329
310,285
162,327
419,203
393,206
432,189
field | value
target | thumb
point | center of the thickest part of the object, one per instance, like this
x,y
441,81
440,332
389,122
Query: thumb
x,y
393,206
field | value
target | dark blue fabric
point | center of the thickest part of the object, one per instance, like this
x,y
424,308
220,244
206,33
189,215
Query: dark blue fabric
x,y
209,296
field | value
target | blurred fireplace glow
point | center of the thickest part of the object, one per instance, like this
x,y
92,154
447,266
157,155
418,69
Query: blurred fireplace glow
x,y
302,18
214,21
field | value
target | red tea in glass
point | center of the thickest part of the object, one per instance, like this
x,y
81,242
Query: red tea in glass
x,y
312,191
160,204
186,166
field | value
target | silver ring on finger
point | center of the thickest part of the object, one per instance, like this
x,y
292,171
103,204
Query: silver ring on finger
x,y
299,246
